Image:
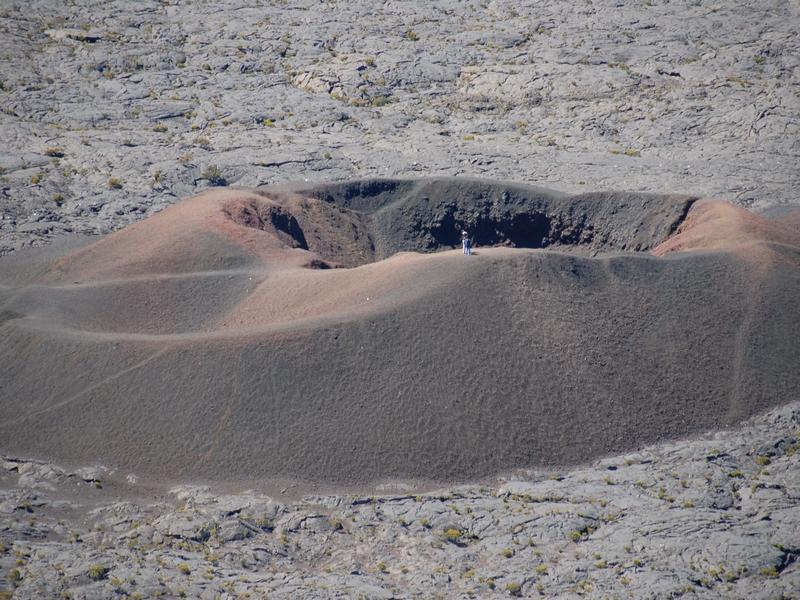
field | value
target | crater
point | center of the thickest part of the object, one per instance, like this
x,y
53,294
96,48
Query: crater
x,y
355,223
211,340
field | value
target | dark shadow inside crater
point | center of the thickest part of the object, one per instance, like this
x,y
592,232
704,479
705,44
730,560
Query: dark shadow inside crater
x,y
358,222
266,216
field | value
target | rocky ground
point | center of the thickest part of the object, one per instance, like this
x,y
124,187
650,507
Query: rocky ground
x,y
714,517
113,110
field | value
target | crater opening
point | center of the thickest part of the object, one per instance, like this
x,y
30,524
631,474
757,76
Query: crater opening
x,y
355,223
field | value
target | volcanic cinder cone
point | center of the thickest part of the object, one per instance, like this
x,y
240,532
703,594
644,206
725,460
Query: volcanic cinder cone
x,y
337,333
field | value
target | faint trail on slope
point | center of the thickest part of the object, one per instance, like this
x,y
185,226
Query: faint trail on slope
x,y
225,415
89,389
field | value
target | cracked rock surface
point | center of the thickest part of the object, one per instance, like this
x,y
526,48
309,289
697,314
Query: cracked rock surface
x,y
111,111
710,517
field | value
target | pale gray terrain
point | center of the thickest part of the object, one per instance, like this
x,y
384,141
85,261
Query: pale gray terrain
x,y
714,517
113,111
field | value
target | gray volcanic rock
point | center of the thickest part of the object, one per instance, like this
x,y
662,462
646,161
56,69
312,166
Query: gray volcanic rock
x,y
111,112
642,524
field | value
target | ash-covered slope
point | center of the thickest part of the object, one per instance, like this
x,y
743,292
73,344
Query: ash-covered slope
x,y
211,341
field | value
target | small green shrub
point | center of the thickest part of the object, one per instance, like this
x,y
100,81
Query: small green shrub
x,y
452,535
772,573
97,572
114,184
213,174
184,568
514,589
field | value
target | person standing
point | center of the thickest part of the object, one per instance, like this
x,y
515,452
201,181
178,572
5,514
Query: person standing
x,y
465,243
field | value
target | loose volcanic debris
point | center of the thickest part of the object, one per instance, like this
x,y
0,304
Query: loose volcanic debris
x,y
226,326
113,112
